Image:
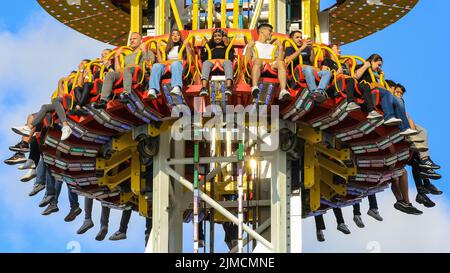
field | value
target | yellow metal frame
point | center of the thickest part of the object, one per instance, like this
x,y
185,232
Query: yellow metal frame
x,y
223,13
176,14
136,16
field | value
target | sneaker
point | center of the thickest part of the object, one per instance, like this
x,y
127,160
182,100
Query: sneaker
x,y
36,189
423,199
118,235
151,93
374,115
393,122
343,228
430,188
87,224
427,163
228,91
22,147
284,95
375,214
409,132
204,92
17,158
358,221
50,209
319,96
407,208
124,97
430,173
100,105
255,91
102,233
352,106
29,175
176,91
46,200
66,132
29,164
22,130
320,236
415,139
73,213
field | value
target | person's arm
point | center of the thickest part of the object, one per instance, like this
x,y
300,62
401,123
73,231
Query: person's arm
x,y
313,56
249,50
117,60
188,47
294,55
280,56
360,72
411,122
61,83
159,58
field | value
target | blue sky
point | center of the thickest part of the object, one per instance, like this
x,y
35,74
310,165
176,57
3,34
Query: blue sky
x,y
37,50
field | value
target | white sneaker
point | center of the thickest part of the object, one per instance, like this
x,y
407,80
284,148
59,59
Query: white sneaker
x,y
409,132
352,106
29,164
66,132
374,115
393,121
22,130
151,93
176,91
284,95
29,175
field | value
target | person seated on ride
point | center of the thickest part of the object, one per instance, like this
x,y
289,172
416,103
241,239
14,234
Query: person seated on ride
x,y
131,62
394,111
218,45
351,84
260,52
307,53
84,87
173,48
55,106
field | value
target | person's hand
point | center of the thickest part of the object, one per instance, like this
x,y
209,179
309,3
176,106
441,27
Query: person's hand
x,y
340,71
226,41
204,41
308,42
304,46
118,52
186,42
143,47
367,64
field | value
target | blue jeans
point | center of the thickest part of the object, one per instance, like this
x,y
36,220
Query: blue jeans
x,y
325,77
400,112
41,170
176,68
53,187
387,103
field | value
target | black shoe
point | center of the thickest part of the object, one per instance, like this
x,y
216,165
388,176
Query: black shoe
x,y
102,233
431,174
255,92
118,235
320,236
87,224
50,209
343,228
407,208
204,92
46,200
432,189
423,199
17,158
319,96
36,189
73,213
100,105
427,163
124,98
228,91
22,147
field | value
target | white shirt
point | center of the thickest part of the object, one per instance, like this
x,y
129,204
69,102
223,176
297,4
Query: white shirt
x,y
173,53
264,50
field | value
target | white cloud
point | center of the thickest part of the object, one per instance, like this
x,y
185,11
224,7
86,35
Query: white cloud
x,y
397,233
